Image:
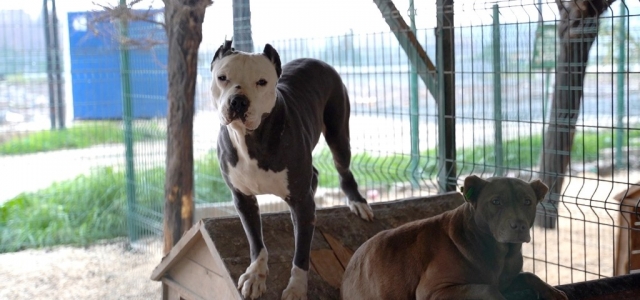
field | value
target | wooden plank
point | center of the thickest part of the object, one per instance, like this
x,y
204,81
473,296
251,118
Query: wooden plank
x,y
342,253
175,291
634,235
200,254
634,261
219,264
201,281
176,253
328,266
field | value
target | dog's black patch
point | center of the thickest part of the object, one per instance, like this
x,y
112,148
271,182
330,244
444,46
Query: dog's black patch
x,y
274,57
224,50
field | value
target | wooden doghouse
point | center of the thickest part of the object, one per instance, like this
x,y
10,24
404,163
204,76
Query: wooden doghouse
x,y
628,246
209,258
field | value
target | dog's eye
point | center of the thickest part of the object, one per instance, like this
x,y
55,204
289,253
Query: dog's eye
x,y
222,78
527,202
261,82
495,201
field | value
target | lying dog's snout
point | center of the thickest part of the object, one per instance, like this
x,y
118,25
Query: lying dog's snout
x,y
518,225
239,105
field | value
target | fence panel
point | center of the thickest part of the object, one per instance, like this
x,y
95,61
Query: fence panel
x,y
74,180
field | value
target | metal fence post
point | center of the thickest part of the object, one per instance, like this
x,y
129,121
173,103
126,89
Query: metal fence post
x,y
128,130
620,82
47,38
54,71
57,69
447,177
414,112
497,93
242,38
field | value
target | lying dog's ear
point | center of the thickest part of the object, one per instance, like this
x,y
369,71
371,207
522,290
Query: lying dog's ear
x,y
539,188
273,56
473,185
224,50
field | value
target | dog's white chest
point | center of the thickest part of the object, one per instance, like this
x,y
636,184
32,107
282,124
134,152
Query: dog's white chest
x,y
249,179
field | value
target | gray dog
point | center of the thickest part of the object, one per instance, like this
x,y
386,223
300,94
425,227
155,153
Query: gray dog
x,y
471,252
271,119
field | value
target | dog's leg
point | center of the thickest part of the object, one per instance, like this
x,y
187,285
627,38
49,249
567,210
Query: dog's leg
x,y
338,141
253,282
526,280
336,133
303,216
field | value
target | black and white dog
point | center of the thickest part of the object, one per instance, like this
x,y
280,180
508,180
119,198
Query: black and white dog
x,y
271,119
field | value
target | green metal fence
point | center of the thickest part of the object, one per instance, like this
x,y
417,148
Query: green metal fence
x,y
71,185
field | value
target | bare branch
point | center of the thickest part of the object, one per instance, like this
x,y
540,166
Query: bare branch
x,y
113,14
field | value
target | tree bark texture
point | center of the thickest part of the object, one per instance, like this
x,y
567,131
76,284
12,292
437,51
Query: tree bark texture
x,y
183,21
577,30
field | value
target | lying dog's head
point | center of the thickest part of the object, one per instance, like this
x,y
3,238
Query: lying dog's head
x,y
244,85
505,207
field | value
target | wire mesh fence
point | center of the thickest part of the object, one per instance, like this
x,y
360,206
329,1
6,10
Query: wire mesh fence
x,y
80,184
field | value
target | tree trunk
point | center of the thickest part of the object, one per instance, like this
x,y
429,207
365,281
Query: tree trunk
x,y
183,21
578,29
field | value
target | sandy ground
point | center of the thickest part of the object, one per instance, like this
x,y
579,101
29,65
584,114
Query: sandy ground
x,y
109,270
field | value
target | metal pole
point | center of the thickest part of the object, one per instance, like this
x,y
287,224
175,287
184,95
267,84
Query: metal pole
x,y
622,37
414,111
242,38
497,93
128,131
47,38
445,52
57,69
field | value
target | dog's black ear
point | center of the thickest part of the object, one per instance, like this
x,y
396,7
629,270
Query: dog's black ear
x,y
224,50
273,56
539,188
473,185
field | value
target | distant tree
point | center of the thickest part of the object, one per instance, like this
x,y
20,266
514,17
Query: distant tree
x,y
577,30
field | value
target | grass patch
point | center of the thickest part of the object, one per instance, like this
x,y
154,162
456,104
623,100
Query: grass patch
x,y
93,207
524,153
375,170
519,153
81,135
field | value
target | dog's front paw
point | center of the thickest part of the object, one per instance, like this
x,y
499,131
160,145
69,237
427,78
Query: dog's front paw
x,y
297,287
361,209
254,280
554,294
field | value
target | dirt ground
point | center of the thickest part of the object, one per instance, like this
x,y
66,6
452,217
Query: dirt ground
x,y
109,270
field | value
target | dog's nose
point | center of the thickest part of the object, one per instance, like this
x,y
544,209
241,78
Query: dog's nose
x,y
518,225
239,104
